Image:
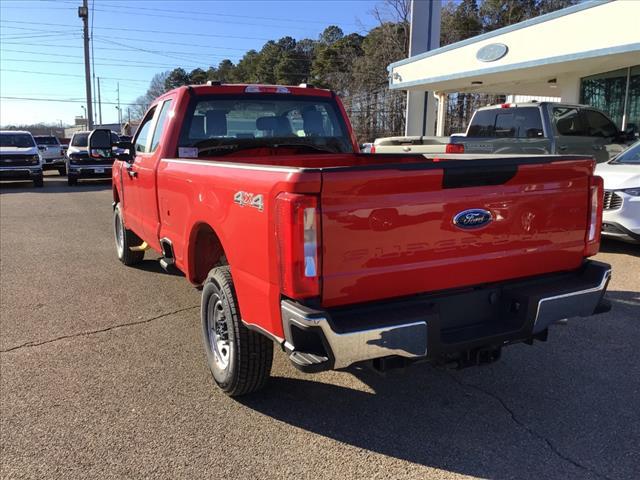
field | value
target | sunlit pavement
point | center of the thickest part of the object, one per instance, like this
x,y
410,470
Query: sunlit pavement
x,y
103,376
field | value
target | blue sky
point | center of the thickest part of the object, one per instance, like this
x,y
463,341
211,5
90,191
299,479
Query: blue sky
x,y
133,40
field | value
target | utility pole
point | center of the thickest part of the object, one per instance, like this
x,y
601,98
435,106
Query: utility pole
x,y
99,103
83,13
93,67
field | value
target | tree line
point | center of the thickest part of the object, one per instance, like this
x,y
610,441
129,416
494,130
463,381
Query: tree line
x,y
355,65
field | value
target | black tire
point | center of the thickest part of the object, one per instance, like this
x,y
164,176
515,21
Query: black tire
x,y
38,181
62,171
72,180
250,354
124,239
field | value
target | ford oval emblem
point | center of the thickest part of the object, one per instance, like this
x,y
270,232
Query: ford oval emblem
x,y
472,218
492,52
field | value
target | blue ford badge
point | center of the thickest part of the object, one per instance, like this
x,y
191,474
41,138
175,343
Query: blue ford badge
x,y
472,218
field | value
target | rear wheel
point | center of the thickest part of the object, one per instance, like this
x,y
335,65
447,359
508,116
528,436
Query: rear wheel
x,y
239,359
72,180
62,171
38,181
125,239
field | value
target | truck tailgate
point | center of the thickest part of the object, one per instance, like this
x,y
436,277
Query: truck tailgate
x,y
388,231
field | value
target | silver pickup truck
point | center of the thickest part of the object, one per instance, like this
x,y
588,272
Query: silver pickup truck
x,y
525,128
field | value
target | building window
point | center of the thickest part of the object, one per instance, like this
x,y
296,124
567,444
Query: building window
x,y
616,93
633,99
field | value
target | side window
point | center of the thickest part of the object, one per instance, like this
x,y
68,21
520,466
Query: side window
x,y
155,141
142,135
483,123
599,125
569,121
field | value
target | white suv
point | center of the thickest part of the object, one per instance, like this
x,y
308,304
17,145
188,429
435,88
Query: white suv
x,y
621,215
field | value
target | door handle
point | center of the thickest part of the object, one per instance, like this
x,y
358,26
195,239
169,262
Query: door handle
x,y
598,147
562,148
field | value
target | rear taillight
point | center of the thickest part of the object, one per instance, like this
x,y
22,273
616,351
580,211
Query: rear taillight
x,y
372,149
454,148
298,244
505,105
594,225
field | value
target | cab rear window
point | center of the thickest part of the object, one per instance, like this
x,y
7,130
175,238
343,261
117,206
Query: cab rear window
x,y
224,124
47,141
518,122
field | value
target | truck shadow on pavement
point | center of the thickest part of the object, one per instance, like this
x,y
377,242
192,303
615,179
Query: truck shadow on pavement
x,y
562,409
618,246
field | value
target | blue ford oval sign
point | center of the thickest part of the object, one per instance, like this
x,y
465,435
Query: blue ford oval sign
x,y
492,52
472,218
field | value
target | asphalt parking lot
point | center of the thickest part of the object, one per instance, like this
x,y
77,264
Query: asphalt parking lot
x,y
102,375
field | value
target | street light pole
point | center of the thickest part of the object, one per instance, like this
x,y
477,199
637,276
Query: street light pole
x,y
83,13
86,120
99,103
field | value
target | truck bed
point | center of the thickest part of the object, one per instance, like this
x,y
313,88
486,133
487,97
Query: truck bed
x,y
387,228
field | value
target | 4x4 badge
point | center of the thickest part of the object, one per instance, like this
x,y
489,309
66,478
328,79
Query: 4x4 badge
x,y
246,199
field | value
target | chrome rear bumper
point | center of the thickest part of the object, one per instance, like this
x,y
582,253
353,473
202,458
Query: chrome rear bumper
x,y
435,326
407,340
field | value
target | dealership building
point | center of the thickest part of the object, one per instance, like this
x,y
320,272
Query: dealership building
x,y
588,54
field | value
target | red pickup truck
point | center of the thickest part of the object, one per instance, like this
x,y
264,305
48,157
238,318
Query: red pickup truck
x,y
259,195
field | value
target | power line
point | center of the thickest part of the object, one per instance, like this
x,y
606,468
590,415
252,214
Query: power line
x,y
154,52
51,45
164,42
47,54
64,62
207,20
64,100
162,32
228,15
71,75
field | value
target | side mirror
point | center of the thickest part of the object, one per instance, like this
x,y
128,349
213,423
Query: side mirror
x,y
630,131
99,143
124,151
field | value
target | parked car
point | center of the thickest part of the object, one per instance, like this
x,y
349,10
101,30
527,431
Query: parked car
x,y
52,153
525,128
80,165
20,158
621,216
259,195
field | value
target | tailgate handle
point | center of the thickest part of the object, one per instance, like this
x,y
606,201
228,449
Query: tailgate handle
x,y
478,176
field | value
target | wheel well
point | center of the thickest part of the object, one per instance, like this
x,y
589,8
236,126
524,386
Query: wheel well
x,y
205,252
116,197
